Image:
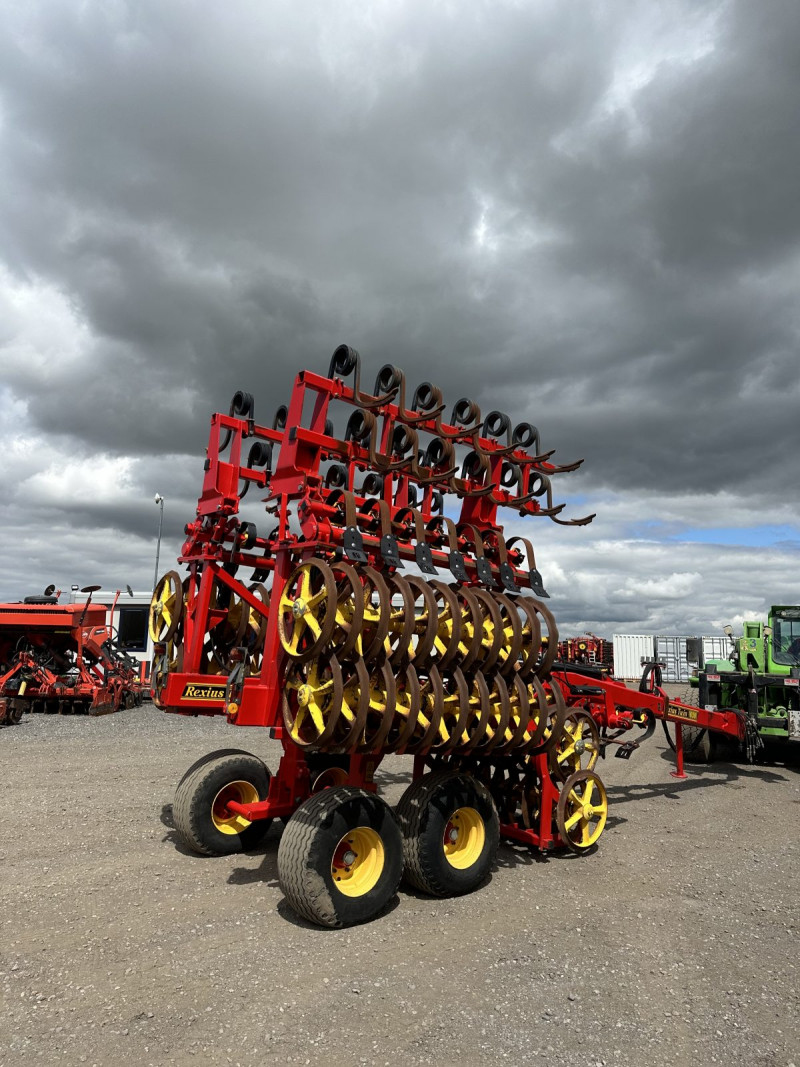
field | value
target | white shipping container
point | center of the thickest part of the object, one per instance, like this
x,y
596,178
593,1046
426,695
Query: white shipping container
x,y
671,651
716,648
629,650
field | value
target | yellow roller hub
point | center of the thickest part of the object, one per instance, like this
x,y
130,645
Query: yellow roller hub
x,y
464,837
358,862
228,822
586,814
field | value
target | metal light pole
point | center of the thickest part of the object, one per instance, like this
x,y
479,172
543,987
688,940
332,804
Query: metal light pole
x,y
159,499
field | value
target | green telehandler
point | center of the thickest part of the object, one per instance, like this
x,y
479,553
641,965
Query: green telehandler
x,y
760,680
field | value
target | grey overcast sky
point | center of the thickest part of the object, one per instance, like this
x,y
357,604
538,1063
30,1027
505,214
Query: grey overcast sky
x,y
586,214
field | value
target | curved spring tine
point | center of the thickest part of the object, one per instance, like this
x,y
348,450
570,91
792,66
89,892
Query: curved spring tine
x,y
391,382
527,460
524,498
462,485
464,412
260,455
525,435
564,468
360,426
428,463
424,407
336,476
242,407
575,522
384,462
345,361
494,425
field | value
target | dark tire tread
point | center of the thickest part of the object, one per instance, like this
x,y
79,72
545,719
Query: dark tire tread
x,y
303,888
411,814
191,814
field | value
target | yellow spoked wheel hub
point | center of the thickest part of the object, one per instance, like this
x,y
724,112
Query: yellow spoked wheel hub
x,y
319,697
358,862
166,607
229,822
464,838
305,616
582,811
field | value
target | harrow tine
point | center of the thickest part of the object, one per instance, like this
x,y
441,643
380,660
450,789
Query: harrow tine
x,y
563,468
525,436
426,405
422,551
465,412
242,407
472,535
575,522
438,458
376,517
440,529
347,517
534,577
497,424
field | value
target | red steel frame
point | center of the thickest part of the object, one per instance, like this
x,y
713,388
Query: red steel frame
x,y
217,545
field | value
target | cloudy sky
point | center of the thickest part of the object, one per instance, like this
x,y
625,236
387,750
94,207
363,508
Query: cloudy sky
x,y
586,214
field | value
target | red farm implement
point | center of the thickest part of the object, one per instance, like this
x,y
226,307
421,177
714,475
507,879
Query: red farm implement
x,y
336,631
62,658
587,649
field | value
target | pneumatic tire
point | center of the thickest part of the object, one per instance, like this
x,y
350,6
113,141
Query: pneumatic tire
x,y
698,745
450,833
340,858
202,819
209,758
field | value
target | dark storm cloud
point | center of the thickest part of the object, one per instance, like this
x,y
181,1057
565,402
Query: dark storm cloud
x,y
585,214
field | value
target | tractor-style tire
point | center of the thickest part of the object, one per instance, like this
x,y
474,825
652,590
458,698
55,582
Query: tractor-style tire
x,y
203,822
450,833
340,858
698,745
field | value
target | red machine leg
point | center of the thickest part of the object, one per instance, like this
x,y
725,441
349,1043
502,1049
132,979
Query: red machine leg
x,y
679,771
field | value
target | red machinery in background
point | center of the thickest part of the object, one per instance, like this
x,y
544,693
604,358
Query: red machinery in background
x,y
318,630
62,658
587,649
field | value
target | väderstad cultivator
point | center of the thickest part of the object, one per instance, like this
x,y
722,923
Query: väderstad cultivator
x,y
346,659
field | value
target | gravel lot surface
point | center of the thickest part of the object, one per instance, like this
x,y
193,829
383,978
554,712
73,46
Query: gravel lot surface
x,y
676,943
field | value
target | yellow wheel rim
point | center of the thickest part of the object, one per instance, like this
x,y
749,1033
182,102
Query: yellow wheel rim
x,y
306,606
586,813
464,838
166,607
228,822
357,862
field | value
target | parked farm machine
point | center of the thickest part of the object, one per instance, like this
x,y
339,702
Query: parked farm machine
x,y
761,676
587,649
359,648
62,658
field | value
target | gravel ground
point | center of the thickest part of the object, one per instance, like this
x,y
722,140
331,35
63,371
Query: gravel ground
x,y
676,943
